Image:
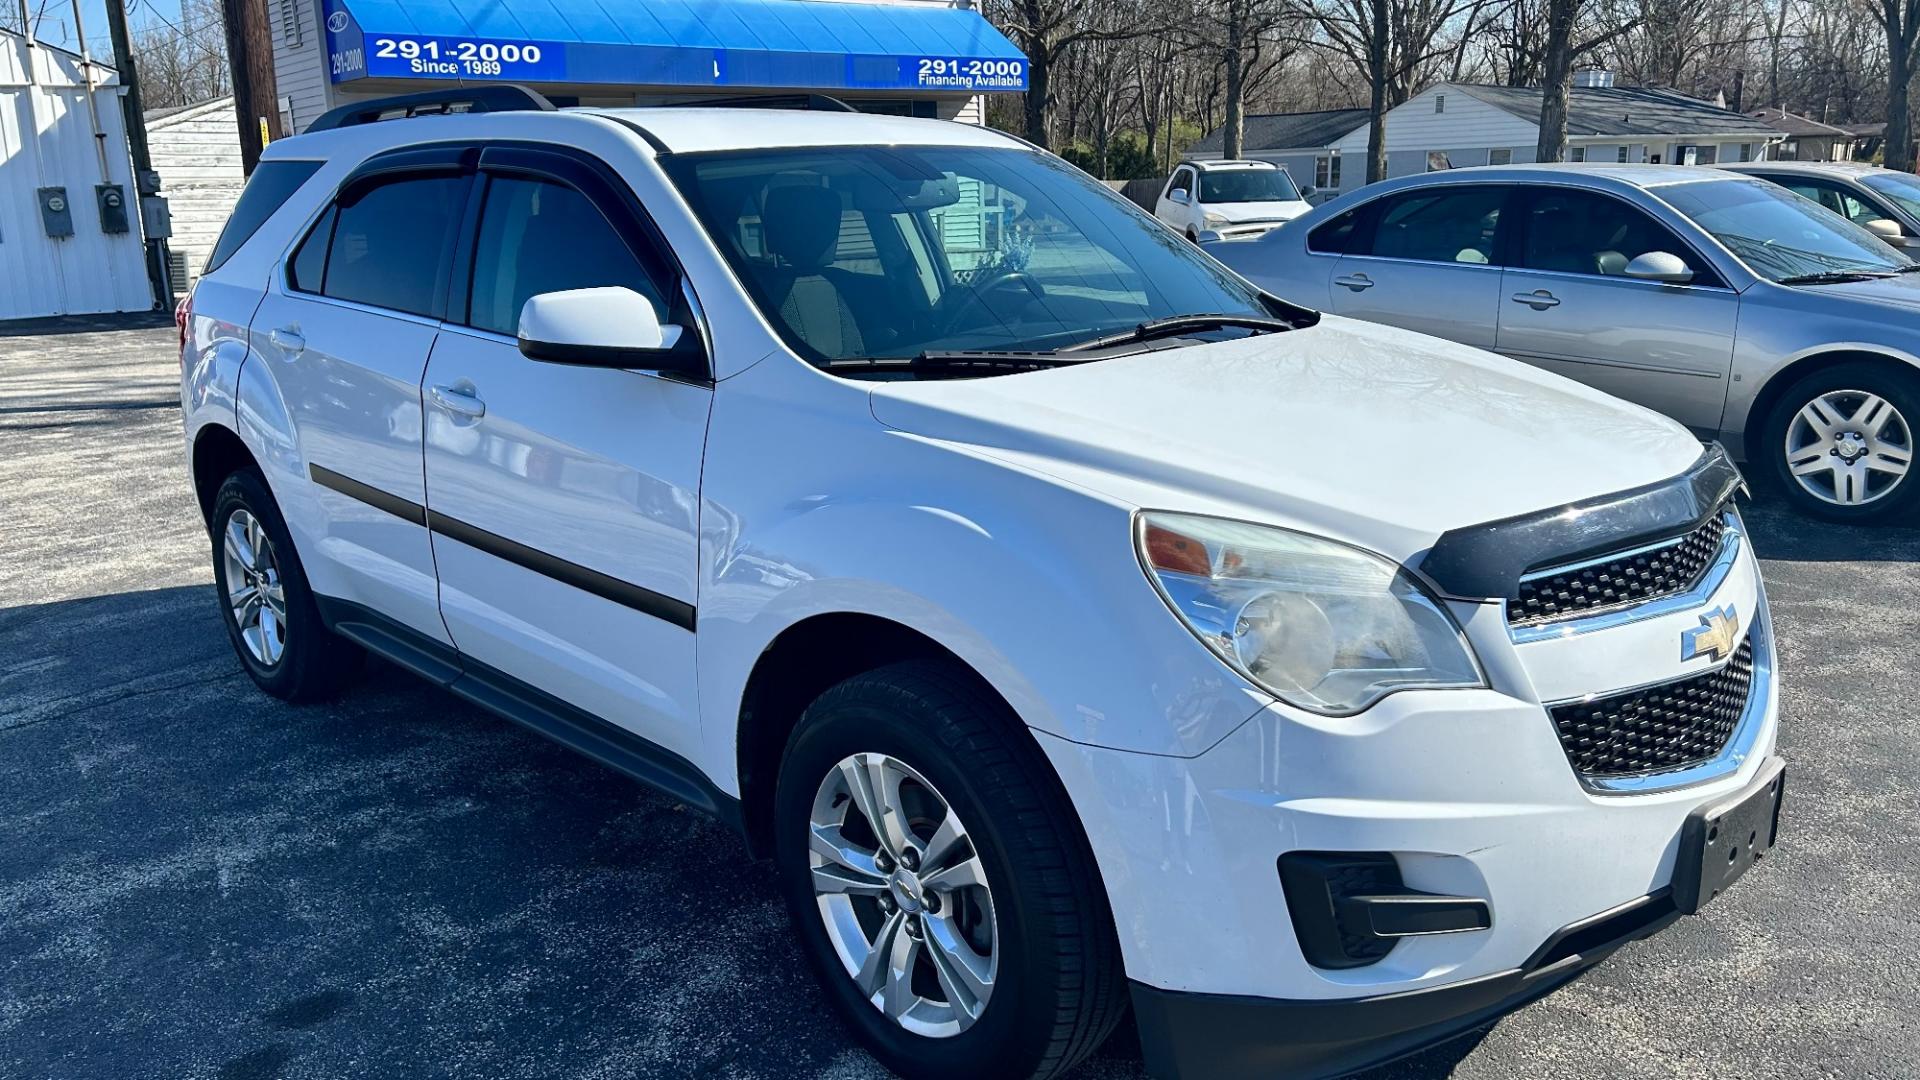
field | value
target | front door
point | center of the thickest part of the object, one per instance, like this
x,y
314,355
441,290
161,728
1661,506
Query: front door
x,y
1427,263
1567,306
565,500
347,332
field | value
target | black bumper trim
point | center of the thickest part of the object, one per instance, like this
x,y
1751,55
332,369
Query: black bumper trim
x,y
1227,1037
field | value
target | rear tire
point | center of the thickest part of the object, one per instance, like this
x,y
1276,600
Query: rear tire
x,y
1841,442
946,752
265,601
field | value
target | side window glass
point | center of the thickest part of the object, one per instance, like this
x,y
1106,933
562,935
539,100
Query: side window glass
x,y
307,271
539,237
390,243
1183,180
1334,237
272,184
1453,226
1580,232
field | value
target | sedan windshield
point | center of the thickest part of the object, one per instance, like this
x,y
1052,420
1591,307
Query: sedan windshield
x,y
904,251
1780,235
1902,188
1247,185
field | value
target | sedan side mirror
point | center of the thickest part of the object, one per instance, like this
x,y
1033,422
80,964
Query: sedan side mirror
x,y
1179,195
1659,266
1889,230
612,327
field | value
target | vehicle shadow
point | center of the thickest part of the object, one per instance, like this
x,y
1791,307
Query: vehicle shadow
x,y
196,879
1780,532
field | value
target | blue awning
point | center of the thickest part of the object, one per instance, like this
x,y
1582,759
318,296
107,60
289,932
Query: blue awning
x,y
703,44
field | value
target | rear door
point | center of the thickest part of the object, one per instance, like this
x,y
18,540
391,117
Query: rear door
x,y
347,326
1424,260
565,500
1568,307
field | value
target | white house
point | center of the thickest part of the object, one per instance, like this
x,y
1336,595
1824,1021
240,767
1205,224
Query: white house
x,y
70,234
1452,125
196,151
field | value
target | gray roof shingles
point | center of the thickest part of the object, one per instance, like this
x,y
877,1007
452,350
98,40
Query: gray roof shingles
x,y
1626,110
1287,131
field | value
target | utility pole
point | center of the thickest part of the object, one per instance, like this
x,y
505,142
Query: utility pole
x,y
255,97
146,183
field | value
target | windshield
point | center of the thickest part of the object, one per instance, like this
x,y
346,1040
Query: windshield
x,y
892,252
1247,185
1778,234
1902,188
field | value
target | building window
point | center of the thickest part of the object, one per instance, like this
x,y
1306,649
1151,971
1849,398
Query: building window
x,y
1326,172
1439,103
1620,155
1437,161
1576,153
1500,156
290,24
1746,151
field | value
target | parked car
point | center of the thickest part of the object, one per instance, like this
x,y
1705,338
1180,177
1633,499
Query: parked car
x,y
1237,200
1741,310
995,580
1883,201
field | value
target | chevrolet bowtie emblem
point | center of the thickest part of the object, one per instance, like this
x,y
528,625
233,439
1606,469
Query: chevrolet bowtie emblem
x,y
1716,636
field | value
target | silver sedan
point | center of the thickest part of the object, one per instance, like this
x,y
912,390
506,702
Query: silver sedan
x,y
1738,308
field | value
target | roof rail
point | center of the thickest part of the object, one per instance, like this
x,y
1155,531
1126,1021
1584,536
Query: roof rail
x,y
507,97
794,102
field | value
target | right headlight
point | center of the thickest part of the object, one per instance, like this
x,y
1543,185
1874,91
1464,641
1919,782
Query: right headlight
x,y
1320,625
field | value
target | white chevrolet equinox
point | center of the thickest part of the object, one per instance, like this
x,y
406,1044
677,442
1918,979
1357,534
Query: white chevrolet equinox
x,y
1075,627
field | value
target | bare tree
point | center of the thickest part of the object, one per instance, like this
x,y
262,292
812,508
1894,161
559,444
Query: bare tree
x,y
1240,33
1388,42
1563,50
1901,21
184,62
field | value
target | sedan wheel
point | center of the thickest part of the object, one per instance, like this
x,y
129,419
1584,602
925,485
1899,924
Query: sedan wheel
x,y
1849,447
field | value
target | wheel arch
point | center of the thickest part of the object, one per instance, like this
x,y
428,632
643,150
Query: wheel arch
x,y
218,452
1781,380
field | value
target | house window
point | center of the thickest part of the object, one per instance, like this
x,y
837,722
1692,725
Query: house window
x,y
1576,153
1437,161
1500,156
1326,172
1439,103
1620,155
1746,152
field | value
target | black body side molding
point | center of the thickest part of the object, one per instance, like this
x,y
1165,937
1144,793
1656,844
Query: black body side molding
x,y
533,708
1487,561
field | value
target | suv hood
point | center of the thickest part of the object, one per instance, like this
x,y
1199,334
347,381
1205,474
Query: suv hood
x,y
1364,433
1259,211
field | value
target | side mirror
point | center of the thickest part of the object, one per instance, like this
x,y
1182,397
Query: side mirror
x,y
612,327
1208,236
1179,195
1887,229
1659,266
1308,192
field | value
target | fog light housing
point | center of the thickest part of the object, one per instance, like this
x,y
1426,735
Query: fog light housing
x,y
1350,908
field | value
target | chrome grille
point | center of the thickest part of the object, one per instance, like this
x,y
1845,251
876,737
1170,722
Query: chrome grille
x,y
1660,728
1672,566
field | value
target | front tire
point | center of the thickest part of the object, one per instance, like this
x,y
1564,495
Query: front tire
x,y
1841,442
266,604
942,894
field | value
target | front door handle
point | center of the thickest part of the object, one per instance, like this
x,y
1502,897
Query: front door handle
x,y
459,400
1356,282
1538,300
288,341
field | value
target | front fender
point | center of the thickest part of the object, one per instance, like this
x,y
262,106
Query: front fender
x,y
1032,582
1774,336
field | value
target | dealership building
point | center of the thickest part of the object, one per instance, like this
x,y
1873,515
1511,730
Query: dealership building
x,y
907,57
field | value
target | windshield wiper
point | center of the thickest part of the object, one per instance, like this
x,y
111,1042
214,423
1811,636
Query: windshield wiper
x,y
1177,326
954,362
1836,277
1910,268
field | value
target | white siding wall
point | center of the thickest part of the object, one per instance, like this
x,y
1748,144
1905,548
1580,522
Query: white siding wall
x,y
1465,131
46,140
197,154
299,59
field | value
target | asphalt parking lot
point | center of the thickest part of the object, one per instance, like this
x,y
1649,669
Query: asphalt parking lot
x,y
197,881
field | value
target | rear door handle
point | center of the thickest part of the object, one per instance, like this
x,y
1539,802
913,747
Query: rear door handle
x,y
1356,282
288,340
459,400
1538,300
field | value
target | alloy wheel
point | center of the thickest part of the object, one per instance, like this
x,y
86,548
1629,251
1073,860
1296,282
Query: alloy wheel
x,y
1849,447
256,599
903,894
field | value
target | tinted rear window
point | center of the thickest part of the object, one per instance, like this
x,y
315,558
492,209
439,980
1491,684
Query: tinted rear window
x,y
272,184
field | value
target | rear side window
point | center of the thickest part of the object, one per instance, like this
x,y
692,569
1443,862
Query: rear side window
x,y
386,245
1334,237
272,184
538,237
